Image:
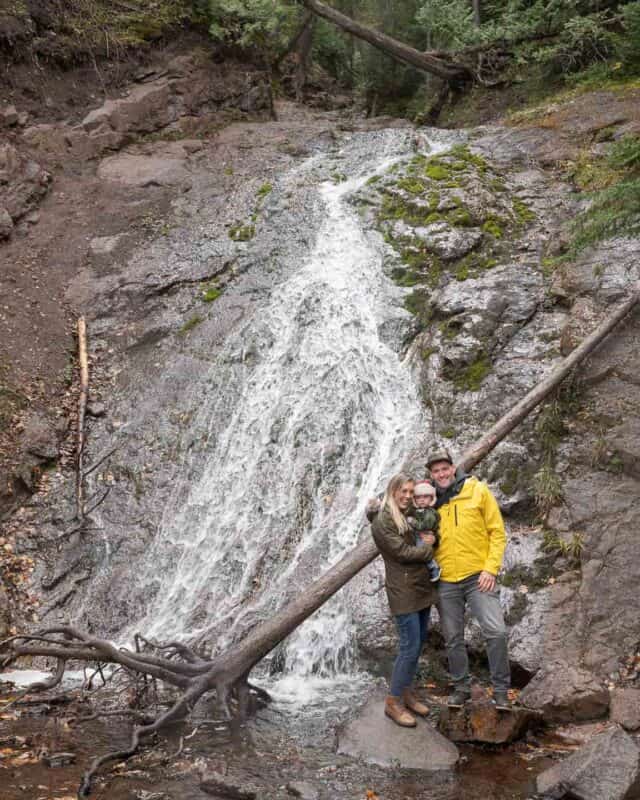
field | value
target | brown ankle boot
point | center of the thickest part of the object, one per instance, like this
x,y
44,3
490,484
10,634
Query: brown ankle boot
x,y
394,709
413,702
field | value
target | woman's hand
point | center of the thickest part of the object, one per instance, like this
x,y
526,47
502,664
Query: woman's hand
x,y
428,538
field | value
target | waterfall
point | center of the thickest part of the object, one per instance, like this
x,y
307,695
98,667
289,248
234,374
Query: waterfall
x,y
311,410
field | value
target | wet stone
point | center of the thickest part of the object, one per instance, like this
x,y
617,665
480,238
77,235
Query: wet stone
x,y
228,786
481,721
59,759
604,769
374,738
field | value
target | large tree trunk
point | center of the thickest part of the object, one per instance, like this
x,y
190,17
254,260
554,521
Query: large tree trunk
x,y
448,70
227,674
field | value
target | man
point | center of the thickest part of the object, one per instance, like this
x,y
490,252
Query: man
x,y
472,543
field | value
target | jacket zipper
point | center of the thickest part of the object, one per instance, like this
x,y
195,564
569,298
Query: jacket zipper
x,y
455,514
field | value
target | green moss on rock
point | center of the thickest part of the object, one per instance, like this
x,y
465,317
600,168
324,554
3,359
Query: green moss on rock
x,y
469,378
493,227
242,233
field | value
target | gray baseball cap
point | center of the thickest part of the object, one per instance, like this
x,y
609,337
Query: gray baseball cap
x,y
438,455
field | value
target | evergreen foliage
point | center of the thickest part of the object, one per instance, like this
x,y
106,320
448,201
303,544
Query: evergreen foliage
x,y
262,25
615,210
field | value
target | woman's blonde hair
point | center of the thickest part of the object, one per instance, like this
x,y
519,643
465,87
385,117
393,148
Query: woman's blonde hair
x,y
388,499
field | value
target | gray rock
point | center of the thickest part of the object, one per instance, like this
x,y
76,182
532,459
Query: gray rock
x,y
449,243
526,637
374,738
564,692
96,409
303,789
232,786
59,759
146,108
625,708
33,218
6,224
23,182
104,245
9,116
40,436
141,171
5,613
604,769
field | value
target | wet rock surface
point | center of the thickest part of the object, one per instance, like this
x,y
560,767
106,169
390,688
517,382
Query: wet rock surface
x,y
373,737
604,769
481,721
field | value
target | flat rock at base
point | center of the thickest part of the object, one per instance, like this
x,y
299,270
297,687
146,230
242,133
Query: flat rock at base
x,y
625,708
604,769
374,738
481,721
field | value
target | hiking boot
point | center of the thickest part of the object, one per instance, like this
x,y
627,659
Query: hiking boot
x,y
501,701
413,703
394,709
458,698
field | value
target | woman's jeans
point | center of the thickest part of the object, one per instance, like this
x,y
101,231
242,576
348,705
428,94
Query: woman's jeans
x,y
413,630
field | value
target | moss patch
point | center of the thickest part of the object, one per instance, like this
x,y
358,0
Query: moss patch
x,y
211,292
469,378
241,232
190,324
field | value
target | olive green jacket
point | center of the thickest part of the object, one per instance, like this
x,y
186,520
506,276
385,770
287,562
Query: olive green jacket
x,y
406,577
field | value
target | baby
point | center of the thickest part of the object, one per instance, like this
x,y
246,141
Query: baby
x,y
425,520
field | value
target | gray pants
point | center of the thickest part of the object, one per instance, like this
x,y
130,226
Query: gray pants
x,y
485,607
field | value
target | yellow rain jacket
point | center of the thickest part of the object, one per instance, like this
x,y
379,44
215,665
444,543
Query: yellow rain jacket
x,y
472,535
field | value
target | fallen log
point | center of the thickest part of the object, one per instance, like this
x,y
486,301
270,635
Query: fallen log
x,y
451,71
227,674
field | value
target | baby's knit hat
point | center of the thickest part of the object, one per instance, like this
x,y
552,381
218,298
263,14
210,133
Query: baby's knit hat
x,y
424,487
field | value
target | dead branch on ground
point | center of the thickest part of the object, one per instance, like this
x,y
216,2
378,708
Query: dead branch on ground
x,y
82,409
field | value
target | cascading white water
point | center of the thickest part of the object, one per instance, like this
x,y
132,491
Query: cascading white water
x,y
325,411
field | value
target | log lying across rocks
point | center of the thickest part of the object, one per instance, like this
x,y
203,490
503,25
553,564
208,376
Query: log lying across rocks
x,y
227,674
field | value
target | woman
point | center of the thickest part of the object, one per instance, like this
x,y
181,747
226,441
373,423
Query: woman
x,y
409,591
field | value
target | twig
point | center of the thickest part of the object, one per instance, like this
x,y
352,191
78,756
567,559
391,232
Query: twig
x,y
102,458
100,501
82,408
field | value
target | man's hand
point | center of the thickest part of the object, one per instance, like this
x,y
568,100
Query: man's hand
x,y
486,581
372,507
428,538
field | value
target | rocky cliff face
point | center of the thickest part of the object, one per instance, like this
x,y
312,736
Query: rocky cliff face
x,y
482,312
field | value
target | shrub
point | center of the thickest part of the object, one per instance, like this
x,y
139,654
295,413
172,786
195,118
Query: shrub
x,y
582,41
615,211
627,45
